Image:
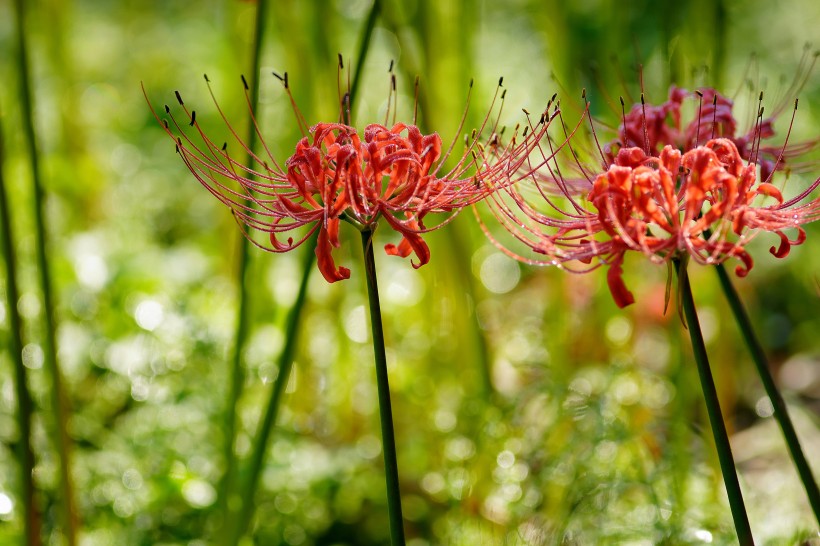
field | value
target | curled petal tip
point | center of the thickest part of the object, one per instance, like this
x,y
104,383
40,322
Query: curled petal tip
x,y
620,293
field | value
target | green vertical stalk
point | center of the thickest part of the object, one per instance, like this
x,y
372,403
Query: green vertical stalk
x,y
781,414
707,383
391,467
284,366
243,505
59,399
364,44
25,406
228,500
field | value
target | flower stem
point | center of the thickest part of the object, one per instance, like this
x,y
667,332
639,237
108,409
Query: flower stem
x,y
781,413
367,33
25,406
228,501
59,400
284,366
707,383
391,467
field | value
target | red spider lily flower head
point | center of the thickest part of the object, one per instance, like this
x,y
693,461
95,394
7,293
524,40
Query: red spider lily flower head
x,y
664,192
652,127
391,172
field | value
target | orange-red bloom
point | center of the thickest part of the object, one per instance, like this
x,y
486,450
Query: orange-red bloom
x,y
665,191
390,173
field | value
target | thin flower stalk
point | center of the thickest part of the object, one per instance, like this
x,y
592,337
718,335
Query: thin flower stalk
x,y
227,484
67,508
721,436
781,412
391,467
248,488
25,405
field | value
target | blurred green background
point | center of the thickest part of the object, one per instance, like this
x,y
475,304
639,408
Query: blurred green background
x,y
528,408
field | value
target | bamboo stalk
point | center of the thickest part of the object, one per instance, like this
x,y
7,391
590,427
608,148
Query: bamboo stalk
x,y
59,399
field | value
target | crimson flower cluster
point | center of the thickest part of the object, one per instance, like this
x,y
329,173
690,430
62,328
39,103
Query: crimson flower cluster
x,y
336,173
667,190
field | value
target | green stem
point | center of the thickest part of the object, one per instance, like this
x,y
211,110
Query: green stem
x,y
242,504
369,25
25,406
284,366
707,383
229,502
781,414
59,399
391,467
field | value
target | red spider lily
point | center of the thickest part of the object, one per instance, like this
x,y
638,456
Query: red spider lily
x,y
662,193
652,127
337,174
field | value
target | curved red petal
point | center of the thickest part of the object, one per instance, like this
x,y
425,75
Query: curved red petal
x,y
614,278
325,262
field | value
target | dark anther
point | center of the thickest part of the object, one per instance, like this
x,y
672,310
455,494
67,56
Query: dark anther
x,y
391,66
286,80
179,98
500,81
224,146
525,131
393,81
642,99
554,96
341,62
761,96
503,94
584,93
471,83
193,117
167,109
165,122
795,104
206,78
622,102
278,77
698,93
714,101
543,117
526,112
245,82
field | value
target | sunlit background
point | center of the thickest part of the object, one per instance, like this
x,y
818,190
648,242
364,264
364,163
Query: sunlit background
x,y
528,408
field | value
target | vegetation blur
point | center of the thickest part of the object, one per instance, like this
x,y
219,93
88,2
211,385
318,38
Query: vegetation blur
x,y
528,408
